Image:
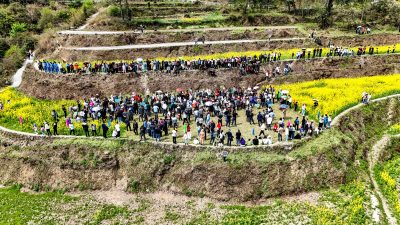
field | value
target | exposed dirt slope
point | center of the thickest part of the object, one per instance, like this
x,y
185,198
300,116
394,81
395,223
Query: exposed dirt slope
x,y
175,52
53,86
163,37
52,51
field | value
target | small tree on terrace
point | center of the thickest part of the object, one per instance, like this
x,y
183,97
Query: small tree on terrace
x,y
326,17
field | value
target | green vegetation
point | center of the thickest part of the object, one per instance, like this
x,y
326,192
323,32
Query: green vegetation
x,y
108,212
35,111
395,129
22,21
347,205
20,208
387,176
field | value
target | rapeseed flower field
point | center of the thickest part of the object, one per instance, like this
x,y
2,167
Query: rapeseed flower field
x,y
336,95
21,112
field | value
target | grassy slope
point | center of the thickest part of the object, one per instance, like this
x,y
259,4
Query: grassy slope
x,y
348,204
387,176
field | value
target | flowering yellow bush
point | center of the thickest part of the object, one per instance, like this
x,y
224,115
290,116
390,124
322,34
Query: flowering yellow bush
x,y
35,111
395,129
388,179
335,95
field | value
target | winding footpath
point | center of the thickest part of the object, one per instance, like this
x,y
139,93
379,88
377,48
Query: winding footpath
x,y
81,31
91,18
373,159
17,77
336,120
176,44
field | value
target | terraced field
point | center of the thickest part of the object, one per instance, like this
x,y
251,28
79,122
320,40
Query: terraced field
x,y
203,112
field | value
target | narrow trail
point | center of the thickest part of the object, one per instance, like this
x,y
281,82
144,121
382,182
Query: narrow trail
x,y
373,158
91,18
17,77
344,113
98,32
175,44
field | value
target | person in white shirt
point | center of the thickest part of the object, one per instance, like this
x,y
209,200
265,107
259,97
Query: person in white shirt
x,y
262,129
287,133
114,133
269,123
267,141
185,139
174,136
118,130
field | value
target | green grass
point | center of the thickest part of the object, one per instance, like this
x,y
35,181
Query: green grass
x,y
387,176
349,204
172,216
91,143
108,212
20,208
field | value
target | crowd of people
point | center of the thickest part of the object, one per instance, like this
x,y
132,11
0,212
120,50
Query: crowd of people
x,y
212,113
246,65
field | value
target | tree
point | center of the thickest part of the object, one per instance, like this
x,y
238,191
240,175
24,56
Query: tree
x,y
123,9
326,18
291,4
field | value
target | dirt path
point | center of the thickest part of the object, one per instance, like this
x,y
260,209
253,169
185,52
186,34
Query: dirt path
x,y
91,19
344,113
17,77
98,32
173,44
373,159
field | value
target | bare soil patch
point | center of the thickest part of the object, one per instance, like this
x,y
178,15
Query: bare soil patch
x,y
172,52
364,40
163,37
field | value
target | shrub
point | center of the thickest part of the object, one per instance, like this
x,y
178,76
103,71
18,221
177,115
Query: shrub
x,y
134,186
46,19
88,7
17,28
3,47
77,18
114,11
5,22
16,52
75,4
63,15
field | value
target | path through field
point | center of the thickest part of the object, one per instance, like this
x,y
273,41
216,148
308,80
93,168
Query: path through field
x,y
81,31
373,159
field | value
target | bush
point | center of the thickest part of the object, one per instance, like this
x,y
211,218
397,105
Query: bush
x,y
75,4
5,22
114,11
3,47
88,7
16,52
17,28
46,19
25,42
63,15
78,17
